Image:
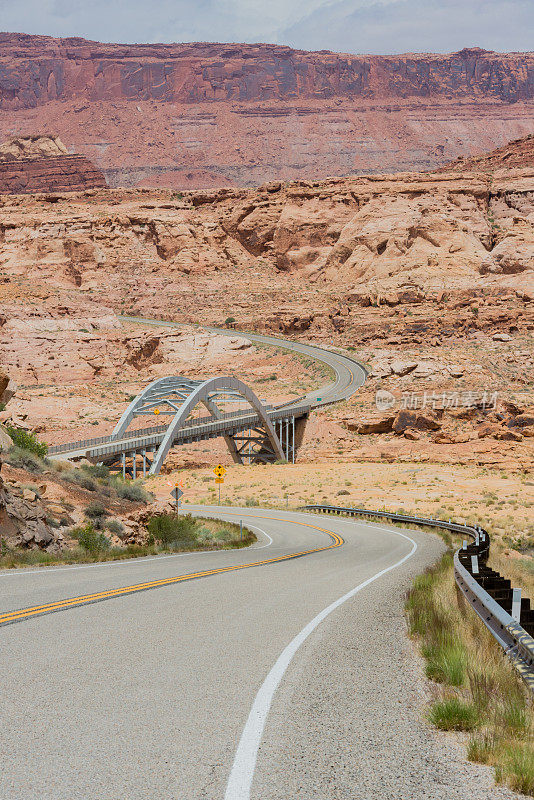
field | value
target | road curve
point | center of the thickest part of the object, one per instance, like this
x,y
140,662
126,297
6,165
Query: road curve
x,y
289,679
349,374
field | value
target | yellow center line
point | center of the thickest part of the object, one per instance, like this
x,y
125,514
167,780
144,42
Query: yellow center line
x,y
26,613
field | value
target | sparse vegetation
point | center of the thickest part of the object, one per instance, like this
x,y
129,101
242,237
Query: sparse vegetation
x,y
481,691
25,459
185,532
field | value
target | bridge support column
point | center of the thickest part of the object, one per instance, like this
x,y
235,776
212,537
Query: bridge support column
x,y
134,471
123,460
144,462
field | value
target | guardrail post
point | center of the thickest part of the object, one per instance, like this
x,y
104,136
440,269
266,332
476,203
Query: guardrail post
x,y
516,604
474,565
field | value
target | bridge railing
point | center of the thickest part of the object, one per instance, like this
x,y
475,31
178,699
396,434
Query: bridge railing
x,y
151,437
477,583
153,430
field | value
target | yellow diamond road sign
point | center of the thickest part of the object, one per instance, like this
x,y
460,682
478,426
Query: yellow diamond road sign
x,y
219,470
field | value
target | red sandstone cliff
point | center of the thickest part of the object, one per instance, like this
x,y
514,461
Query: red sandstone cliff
x,y
204,115
36,69
43,164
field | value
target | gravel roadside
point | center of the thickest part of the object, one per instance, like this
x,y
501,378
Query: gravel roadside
x,y
349,719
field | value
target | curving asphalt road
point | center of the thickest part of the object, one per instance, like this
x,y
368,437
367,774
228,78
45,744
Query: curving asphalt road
x,y
349,374
291,679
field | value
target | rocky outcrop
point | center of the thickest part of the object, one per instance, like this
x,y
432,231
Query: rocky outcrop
x,y
204,115
22,521
43,164
270,257
517,154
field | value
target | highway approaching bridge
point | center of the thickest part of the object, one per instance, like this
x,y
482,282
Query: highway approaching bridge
x,y
260,433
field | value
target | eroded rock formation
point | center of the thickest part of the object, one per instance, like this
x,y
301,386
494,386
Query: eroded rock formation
x,y
33,164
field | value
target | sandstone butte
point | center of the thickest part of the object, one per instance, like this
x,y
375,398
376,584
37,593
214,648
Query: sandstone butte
x,y
205,115
35,164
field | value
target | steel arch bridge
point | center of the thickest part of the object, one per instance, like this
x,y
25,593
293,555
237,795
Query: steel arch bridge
x,y
177,397
256,434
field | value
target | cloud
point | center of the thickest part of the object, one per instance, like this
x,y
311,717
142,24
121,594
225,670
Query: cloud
x,y
404,26
357,26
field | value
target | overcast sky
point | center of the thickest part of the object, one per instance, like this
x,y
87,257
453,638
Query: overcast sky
x,y
354,26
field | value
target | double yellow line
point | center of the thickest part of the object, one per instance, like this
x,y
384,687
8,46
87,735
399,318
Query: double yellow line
x,y
72,602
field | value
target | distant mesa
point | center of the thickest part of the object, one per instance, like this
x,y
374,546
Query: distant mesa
x,y
42,163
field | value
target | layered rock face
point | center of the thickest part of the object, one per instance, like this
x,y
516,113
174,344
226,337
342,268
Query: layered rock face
x,y
29,165
191,73
201,115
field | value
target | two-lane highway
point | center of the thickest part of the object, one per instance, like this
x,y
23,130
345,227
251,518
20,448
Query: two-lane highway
x,y
270,681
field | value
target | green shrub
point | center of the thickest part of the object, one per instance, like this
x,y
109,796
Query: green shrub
x,y
79,478
252,501
229,320
91,540
95,510
114,526
131,490
174,528
27,440
454,714
25,459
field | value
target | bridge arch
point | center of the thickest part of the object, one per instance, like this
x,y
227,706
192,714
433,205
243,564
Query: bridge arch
x,y
177,396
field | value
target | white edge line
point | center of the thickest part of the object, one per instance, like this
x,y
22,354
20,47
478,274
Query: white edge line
x,y
127,562
242,773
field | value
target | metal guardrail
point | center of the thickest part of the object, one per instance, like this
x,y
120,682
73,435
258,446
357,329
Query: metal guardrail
x,y
470,574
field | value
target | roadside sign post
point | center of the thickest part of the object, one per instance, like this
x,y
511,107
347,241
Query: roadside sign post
x,y
219,477
177,493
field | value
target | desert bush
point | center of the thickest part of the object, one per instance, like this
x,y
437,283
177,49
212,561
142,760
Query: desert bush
x,y
91,540
131,490
95,510
99,471
27,440
25,459
79,478
174,528
114,526
252,502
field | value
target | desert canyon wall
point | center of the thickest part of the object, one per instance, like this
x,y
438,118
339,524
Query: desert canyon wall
x,y
204,115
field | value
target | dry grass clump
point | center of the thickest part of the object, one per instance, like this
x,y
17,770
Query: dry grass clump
x,y
479,690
